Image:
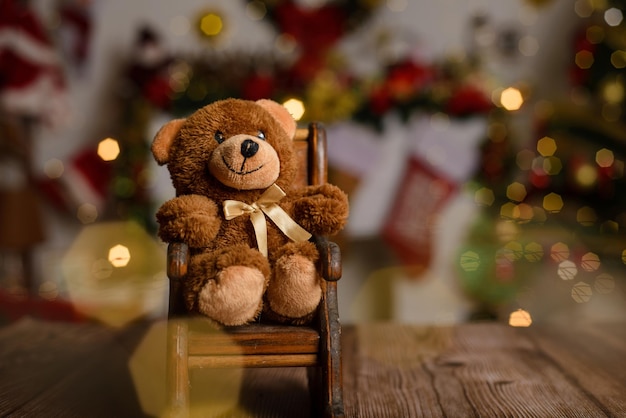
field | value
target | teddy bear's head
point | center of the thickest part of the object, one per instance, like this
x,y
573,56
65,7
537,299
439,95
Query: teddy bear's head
x,y
228,148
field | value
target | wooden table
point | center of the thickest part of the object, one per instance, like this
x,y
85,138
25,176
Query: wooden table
x,y
390,370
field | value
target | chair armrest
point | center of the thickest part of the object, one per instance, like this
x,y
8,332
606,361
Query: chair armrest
x,y
177,260
177,265
329,258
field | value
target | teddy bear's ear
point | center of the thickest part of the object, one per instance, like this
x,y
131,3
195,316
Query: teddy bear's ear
x,y
281,114
163,140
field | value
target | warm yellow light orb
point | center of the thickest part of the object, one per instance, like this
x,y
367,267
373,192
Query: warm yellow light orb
x,y
586,216
553,202
559,252
586,175
584,59
484,196
119,256
295,107
546,146
211,24
511,99
520,318
613,92
108,149
605,158
516,192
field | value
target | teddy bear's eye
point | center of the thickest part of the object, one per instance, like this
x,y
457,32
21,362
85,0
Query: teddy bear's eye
x,y
219,137
261,135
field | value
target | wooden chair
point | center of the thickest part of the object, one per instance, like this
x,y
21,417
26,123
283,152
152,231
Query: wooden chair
x,y
316,347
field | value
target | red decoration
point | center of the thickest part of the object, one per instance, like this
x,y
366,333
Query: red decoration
x,y
31,78
468,100
410,223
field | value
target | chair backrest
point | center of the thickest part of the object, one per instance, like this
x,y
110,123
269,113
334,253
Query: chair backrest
x,y
310,145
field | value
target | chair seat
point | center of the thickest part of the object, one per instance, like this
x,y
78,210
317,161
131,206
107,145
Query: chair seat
x,y
256,345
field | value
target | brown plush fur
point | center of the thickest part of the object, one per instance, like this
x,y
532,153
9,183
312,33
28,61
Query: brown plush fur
x,y
234,150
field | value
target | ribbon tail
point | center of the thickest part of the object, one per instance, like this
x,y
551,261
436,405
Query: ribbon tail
x,y
260,230
287,225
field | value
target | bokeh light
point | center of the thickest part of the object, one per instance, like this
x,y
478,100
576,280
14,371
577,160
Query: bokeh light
x,y
552,165
553,202
613,92
559,252
546,146
581,292
53,168
119,256
87,213
605,158
533,252
590,262
604,283
513,250
108,149
215,390
295,107
613,16
470,261
586,216
256,10
516,192
211,24
520,318
484,196
584,59
115,296
567,270
511,99
586,175
618,59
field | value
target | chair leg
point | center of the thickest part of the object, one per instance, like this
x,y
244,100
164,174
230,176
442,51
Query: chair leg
x,y
177,369
330,355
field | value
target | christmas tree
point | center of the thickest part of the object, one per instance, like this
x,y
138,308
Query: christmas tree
x,y
554,210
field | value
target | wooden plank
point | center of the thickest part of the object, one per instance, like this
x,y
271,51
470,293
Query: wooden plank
x,y
384,374
253,339
265,360
591,356
502,373
486,370
65,369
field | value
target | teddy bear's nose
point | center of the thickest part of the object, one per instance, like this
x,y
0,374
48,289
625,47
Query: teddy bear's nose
x,y
249,148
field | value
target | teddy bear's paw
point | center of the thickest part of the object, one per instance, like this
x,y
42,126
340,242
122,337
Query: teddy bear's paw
x,y
294,290
234,297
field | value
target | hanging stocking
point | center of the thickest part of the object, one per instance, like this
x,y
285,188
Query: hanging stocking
x,y
413,216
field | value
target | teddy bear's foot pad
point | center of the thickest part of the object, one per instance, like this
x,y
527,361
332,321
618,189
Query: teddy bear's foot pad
x,y
295,290
234,297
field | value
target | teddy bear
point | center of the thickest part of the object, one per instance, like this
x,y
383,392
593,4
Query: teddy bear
x,y
232,164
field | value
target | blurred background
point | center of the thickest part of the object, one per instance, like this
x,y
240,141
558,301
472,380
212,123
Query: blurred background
x,y
481,142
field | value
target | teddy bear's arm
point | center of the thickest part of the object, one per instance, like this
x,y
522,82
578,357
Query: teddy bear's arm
x,y
192,219
321,210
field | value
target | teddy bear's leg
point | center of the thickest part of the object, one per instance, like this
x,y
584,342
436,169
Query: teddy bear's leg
x,y
294,290
228,286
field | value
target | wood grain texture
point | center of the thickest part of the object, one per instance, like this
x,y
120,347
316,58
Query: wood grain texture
x,y
389,370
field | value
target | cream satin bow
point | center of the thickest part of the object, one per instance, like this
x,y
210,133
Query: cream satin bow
x,y
266,205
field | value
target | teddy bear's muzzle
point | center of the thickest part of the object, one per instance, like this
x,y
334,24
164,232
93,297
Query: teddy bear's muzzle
x,y
245,163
